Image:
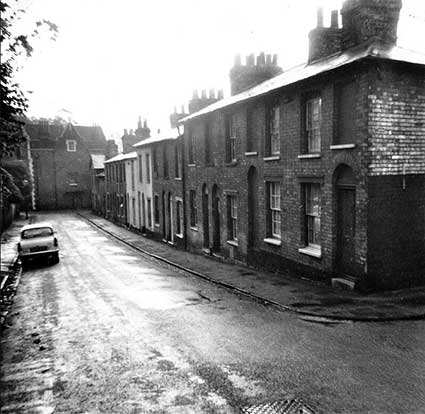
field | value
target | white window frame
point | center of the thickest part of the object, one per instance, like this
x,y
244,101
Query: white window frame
x,y
313,120
313,214
274,129
179,217
275,209
193,209
71,145
232,130
148,167
233,217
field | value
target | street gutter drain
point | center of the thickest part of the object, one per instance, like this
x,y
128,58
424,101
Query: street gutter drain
x,y
279,407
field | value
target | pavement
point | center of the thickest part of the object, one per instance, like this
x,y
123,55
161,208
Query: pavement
x,y
314,301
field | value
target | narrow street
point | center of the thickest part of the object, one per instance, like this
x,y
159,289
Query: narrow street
x,y
108,330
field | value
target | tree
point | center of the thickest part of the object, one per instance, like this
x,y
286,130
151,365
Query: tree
x,y
13,100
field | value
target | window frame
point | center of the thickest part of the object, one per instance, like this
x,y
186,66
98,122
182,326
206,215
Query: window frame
x,y
148,167
193,209
273,147
232,217
68,145
312,127
156,218
179,217
231,137
312,218
274,210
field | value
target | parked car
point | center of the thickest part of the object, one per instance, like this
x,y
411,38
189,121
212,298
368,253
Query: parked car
x,y
38,240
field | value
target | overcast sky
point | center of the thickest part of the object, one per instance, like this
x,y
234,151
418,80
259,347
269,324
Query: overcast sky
x,y
116,60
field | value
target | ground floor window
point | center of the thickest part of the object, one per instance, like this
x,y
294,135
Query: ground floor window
x,y
312,214
193,209
273,207
179,217
149,202
232,217
156,209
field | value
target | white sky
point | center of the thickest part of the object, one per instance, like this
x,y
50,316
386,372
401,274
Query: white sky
x,y
116,60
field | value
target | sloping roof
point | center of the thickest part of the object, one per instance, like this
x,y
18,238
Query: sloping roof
x,y
121,157
306,71
170,134
97,161
46,131
92,135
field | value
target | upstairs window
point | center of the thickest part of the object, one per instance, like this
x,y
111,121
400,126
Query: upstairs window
x,y
140,168
71,145
177,161
132,175
273,130
148,168
313,116
207,143
165,161
250,138
191,148
232,217
231,136
155,161
345,108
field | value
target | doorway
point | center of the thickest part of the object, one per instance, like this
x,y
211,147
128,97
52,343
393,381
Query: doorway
x,y
205,217
252,205
345,221
216,218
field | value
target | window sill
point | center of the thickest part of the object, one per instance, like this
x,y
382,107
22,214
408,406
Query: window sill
x,y
251,154
311,251
178,178
272,158
342,146
191,165
233,243
194,228
271,240
308,156
157,225
179,235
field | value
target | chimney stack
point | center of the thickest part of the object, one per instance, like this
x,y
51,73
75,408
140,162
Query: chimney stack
x,y
319,17
256,70
365,20
334,19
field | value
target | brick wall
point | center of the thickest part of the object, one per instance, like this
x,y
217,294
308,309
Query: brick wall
x,y
289,169
164,186
396,231
397,120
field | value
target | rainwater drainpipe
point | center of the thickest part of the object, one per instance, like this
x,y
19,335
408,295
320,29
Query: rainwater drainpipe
x,y
183,188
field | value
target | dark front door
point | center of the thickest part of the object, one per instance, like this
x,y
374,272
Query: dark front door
x,y
216,221
346,222
205,218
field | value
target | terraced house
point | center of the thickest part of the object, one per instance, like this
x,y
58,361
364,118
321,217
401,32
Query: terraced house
x,y
320,168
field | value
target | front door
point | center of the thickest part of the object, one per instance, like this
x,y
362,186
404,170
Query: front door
x,y
205,218
216,222
346,229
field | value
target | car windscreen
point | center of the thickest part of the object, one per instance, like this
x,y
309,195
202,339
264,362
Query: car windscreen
x,y
37,232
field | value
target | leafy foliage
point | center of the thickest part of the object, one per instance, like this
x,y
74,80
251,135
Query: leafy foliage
x,y
13,101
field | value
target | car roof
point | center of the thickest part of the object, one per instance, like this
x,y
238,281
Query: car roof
x,y
36,226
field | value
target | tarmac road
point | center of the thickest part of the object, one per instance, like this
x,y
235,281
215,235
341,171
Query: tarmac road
x,y
108,330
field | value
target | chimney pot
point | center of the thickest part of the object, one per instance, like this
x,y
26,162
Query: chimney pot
x,y
268,59
182,109
320,17
212,94
275,59
238,60
220,94
204,94
250,60
195,94
125,132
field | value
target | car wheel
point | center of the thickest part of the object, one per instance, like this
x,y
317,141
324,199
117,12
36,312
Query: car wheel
x,y
55,257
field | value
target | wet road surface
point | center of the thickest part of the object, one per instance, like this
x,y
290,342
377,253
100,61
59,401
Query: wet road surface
x,y
108,330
